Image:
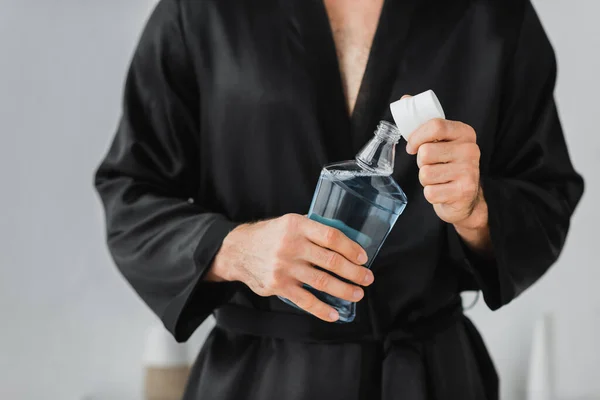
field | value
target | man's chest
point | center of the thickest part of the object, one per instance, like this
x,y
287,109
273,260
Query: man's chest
x,y
353,25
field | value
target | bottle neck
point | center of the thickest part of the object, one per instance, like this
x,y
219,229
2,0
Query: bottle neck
x,y
378,154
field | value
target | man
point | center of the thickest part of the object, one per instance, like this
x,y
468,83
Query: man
x,y
232,107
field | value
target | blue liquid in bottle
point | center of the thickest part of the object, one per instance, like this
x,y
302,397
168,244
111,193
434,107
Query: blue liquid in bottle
x,y
361,199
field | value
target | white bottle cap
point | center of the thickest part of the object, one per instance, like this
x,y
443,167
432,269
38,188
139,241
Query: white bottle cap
x,y
411,112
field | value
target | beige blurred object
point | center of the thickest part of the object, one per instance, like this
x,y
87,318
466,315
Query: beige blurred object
x,y
166,364
166,383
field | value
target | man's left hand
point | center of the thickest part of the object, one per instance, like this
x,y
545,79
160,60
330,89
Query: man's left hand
x,y
448,159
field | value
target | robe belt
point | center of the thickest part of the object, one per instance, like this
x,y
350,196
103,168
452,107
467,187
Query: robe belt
x,y
307,328
418,335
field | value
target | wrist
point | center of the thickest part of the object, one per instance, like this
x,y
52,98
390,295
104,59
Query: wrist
x,y
478,217
474,230
217,270
220,269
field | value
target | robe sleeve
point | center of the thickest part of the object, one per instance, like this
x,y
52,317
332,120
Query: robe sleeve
x,y
162,241
530,186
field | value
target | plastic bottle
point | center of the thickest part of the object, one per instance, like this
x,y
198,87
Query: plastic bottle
x,y
360,197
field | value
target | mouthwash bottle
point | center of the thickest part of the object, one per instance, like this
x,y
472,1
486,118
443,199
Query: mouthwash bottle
x,y
360,197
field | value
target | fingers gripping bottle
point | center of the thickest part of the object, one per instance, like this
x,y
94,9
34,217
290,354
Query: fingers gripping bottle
x,y
359,197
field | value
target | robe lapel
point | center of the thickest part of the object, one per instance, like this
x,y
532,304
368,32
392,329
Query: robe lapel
x,y
343,134
311,26
376,87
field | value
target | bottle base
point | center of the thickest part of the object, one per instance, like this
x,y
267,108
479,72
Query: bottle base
x,y
345,309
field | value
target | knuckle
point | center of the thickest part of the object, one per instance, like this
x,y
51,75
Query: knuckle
x,y
290,221
473,151
306,302
425,152
281,249
360,274
425,174
437,124
320,280
268,285
334,261
279,272
423,155
276,277
467,187
422,175
331,236
472,135
429,193
349,291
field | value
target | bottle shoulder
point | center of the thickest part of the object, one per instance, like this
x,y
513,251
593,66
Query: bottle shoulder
x,y
352,176
349,165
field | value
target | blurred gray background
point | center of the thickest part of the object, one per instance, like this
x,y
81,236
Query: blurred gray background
x,y
70,327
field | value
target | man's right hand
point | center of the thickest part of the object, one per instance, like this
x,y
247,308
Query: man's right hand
x,y
277,256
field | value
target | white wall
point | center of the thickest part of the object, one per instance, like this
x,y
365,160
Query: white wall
x,y
69,324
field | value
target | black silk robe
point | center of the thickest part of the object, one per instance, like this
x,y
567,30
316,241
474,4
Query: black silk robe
x,y
231,108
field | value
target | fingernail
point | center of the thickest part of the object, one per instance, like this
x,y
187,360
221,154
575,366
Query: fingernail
x,y
333,315
357,293
362,258
369,278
